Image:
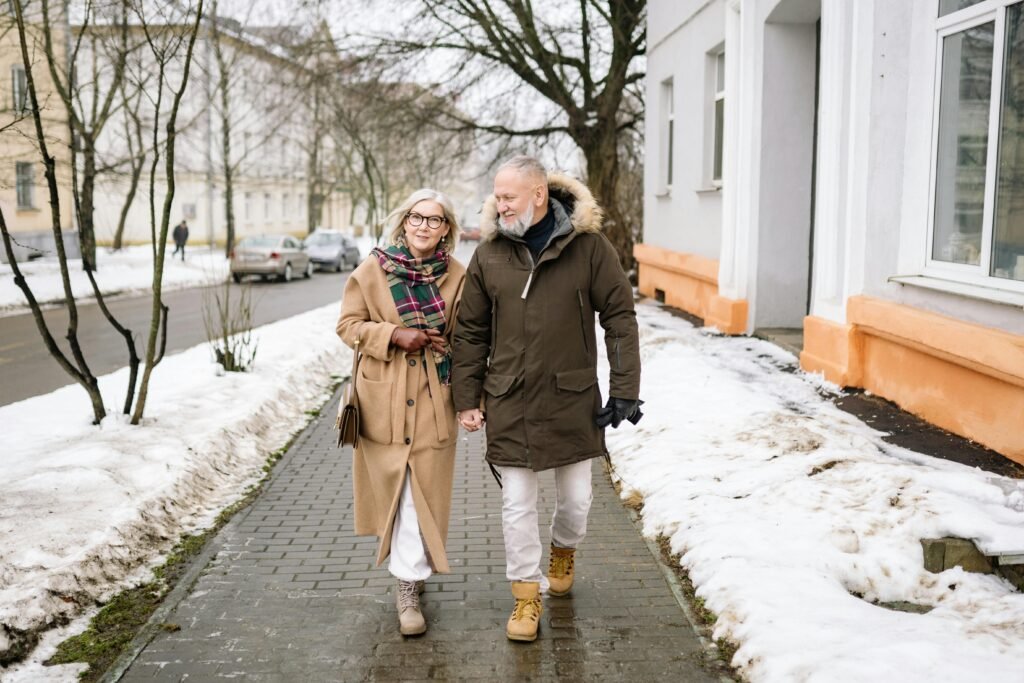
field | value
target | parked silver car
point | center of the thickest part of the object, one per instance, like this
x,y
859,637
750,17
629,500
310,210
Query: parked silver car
x,y
332,250
282,256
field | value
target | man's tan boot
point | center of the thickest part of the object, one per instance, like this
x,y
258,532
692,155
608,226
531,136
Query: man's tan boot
x,y
525,619
410,618
561,570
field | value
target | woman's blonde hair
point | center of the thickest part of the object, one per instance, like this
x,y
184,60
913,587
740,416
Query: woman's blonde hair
x,y
394,223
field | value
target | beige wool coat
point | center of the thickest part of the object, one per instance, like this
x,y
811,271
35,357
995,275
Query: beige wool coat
x,y
407,418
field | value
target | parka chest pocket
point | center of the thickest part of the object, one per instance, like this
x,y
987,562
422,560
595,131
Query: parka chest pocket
x,y
499,261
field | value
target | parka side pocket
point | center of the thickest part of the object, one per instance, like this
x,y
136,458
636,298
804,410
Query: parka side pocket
x,y
498,385
576,380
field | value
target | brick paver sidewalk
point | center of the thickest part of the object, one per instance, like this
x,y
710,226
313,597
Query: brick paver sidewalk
x,y
292,594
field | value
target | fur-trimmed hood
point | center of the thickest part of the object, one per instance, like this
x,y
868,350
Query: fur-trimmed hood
x,y
575,197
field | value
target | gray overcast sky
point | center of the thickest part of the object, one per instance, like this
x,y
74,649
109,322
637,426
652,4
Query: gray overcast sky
x,y
361,17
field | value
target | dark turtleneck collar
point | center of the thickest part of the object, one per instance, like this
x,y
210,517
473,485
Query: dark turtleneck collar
x,y
539,234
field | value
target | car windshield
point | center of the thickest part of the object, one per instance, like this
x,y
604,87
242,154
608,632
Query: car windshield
x,y
319,239
256,242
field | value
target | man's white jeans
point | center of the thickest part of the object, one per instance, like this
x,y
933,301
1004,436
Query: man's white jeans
x,y
519,517
408,555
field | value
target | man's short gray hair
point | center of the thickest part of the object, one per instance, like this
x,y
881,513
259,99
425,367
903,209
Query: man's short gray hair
x,y
527,166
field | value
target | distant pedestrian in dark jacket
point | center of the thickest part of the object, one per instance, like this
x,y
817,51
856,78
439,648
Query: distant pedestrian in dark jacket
x,y
180,236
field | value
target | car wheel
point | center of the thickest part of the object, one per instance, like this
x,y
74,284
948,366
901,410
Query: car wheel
x,y
309,270
237,277
339,265
287,276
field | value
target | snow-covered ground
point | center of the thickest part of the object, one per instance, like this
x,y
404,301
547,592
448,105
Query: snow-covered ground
x,y
129,271
84,510
793,518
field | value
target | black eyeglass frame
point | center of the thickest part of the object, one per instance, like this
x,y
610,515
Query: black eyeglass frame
x,y
416,220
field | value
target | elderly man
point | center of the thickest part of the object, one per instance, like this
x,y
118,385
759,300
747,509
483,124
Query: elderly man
x,y
525,356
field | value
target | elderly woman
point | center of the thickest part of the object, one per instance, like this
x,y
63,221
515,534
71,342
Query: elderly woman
x,y
399,310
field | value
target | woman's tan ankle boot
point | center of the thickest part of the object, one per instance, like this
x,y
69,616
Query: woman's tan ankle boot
x,y
410,618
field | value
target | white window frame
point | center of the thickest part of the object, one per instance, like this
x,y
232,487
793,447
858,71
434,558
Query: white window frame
x,y
266,207
950,24
717,60
666,136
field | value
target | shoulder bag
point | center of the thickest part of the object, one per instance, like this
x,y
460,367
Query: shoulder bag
x,y
347,423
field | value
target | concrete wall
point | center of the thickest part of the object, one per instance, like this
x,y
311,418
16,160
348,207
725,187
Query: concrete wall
x,y
687,218
787,144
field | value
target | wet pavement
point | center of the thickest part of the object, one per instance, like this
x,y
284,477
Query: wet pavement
x,y
291,594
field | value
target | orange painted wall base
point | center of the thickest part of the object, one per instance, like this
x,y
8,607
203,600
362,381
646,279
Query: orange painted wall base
x,y
963,377
689,282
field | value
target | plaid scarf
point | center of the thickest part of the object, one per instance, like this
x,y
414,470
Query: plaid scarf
x,y
417,298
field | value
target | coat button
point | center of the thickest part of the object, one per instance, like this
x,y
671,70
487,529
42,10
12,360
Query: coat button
x,y
412,361
409,402
408,441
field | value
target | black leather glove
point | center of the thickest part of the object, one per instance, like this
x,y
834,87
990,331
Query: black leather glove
x,y
617,410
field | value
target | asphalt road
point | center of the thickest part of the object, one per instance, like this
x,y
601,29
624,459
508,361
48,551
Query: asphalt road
x,y
27,369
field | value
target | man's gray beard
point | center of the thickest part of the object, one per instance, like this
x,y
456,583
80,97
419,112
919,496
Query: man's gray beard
x,y
519,226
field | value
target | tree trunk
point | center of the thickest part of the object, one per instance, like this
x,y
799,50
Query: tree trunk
x,y
600,150
86,222
229,210
133,187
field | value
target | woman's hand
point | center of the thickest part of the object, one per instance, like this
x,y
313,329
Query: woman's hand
x,y
412,340
471,420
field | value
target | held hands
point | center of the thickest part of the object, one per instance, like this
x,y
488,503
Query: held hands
x,y
617,410
471,420
412,340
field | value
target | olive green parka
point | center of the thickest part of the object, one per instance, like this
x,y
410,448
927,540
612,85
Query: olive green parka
x,y
525,346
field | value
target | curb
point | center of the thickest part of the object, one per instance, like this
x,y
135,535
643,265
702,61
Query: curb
x,y
711,650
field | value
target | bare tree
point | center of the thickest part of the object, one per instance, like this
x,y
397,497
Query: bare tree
x,y
76,365
233,75
165,36
89,97
387,149
165,41
133,129
584,61
321,74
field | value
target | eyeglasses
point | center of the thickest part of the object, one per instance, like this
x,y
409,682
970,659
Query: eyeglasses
x,y
433,222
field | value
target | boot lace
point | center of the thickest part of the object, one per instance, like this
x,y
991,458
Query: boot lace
x,y
408,596
561,565
526,609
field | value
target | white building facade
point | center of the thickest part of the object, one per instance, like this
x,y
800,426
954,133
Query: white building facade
x,y
850,169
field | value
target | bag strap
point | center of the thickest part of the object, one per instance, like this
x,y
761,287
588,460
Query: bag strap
x,y
355,368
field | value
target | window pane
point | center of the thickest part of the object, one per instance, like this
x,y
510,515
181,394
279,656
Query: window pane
x,y
671,133
963,143
24,184
1008,234
719,130
720,72
949,6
